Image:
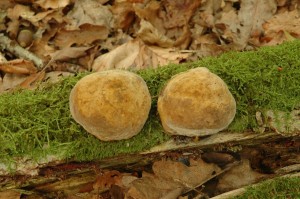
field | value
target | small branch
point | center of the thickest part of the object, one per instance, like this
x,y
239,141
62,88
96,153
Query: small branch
x,y
245,138
13,47
288,169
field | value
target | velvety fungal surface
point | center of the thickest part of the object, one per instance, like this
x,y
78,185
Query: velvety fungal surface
x,y
111,105
196,103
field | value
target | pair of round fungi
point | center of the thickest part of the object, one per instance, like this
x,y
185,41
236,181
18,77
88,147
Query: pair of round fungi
x,y
114,104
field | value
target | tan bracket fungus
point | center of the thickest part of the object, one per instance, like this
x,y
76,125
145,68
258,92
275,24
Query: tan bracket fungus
x,y
111,105
196,103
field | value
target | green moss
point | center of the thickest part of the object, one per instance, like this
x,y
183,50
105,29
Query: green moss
x,y
36,123
255,81
280,188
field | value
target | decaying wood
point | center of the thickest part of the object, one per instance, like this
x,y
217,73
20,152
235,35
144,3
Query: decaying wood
x,y
69,176
246,138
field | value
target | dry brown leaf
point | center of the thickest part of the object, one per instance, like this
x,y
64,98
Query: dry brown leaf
x,y
34,19
87,60
3,21
5,4
150,35
184,39
281,2
206,45
31,81
13,14
129,1
40,46
2,58
237,27
24,1
190,176
127,180
283,22
107,179
228,26
86,35
54,4
118,39
163,56
165,23
178,13
69,53
205,17
136,55
170,179
89,12
121,57
123,14
18,66
56,16
152,187
19,11
239,176
10,194
150,12
10,81
252,15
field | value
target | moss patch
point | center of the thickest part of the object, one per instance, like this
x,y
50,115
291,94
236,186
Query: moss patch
x,y
37,123
278,188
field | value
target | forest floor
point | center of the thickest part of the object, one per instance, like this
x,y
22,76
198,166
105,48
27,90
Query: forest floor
x,y
45,40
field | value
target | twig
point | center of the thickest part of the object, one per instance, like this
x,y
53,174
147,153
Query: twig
x,y
16,49
288,169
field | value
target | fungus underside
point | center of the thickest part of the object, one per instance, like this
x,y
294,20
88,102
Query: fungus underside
x,y
34,124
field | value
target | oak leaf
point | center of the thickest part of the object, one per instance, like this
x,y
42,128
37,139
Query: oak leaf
x,y
18,11
86,35
54,4
150,35
252,15
89,12
239,176
282,22
107,179
10,81
153,187
18,66
189,176
136,55
69,53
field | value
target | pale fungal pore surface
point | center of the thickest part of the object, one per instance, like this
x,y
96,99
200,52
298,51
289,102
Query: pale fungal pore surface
x,y
196,103
111,105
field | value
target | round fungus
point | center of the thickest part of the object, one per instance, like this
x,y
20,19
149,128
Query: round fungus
x,y
111,105
196,103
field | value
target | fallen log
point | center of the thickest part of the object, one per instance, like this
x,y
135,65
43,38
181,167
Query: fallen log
x,y
38,135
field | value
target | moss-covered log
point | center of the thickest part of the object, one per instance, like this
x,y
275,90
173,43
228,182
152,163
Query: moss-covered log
x,y
37,125
270,150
